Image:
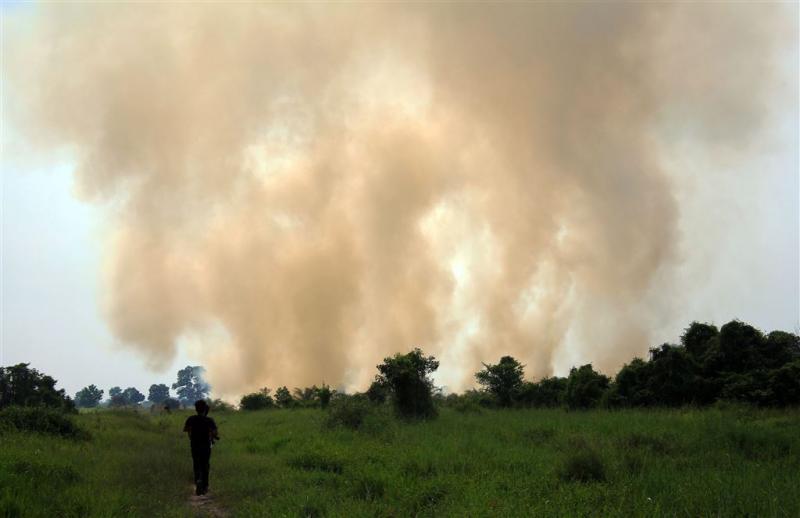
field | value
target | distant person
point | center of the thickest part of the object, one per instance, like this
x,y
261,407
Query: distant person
x,y
202,432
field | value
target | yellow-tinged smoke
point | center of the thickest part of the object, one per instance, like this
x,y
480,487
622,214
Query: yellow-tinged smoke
x,y
304,189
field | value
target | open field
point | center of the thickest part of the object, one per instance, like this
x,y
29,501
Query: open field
x,y
720,462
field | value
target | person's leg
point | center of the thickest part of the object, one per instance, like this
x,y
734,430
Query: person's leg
x,y
197,465
206,469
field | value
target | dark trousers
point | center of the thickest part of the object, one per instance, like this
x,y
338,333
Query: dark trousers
x,y
200,461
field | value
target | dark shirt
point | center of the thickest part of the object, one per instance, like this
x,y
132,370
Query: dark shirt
x,y
202,430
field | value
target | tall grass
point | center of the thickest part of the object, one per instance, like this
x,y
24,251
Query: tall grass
x,y
719,461
131,466
513,463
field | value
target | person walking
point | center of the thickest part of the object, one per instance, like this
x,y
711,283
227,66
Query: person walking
x,y
203,433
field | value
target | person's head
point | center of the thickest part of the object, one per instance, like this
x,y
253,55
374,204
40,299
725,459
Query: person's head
x,y
201,406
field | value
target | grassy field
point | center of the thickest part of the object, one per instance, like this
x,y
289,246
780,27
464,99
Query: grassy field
x,y
714,462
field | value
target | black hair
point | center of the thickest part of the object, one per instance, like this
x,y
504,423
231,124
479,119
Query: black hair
x,y
201,406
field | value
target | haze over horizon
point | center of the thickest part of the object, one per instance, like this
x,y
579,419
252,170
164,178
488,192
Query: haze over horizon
x,y
286,194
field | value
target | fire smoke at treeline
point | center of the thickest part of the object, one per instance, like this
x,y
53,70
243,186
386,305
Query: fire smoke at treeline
x,y
736,362
300,189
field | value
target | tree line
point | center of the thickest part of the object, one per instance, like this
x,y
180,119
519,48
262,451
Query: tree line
x,y
21,385
735,362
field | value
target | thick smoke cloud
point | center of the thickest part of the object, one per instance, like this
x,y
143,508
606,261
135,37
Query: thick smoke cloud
x,y
304,189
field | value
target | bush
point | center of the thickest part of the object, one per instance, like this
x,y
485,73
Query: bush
x,y
257,400
467,406
408,377
349,412
40,420
504,380
547,392
218,405
324,394
585,387
171,403
584,465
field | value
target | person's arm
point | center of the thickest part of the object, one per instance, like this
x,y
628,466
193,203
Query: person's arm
x,y
213,433
187,426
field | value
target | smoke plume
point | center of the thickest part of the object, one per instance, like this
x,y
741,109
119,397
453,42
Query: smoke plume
x,y
300,190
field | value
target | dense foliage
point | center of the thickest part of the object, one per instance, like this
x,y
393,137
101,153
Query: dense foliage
x,y
122,398
257,400
88,397
40,420
22,386
191,386
504,380
158,393
407,376
735,363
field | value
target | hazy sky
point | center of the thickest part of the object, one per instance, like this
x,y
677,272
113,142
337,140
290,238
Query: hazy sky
x,y
78,304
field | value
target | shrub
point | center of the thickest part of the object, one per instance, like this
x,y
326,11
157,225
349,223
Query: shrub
x,y
349,412
584,465
283,398
257,400
40,420
467,406
324,393
585,387
547,392
218,405
378,392
470,401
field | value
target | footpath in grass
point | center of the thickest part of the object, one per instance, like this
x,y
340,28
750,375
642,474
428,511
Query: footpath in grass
x,y
489,463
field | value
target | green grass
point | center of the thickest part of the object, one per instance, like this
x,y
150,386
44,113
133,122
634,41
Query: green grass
x,y
720,462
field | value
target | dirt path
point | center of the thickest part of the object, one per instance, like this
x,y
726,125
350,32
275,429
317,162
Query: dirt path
x,y
206,506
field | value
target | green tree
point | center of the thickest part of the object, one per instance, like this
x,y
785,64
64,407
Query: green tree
x,y
503,381
784,384
115,397
780,348
306,397
88,397
257,400
740,345
325,394
671,376
191,386
408,377
547,392
22,386
283,397
585,387
697,338
378,392
158,393
132,396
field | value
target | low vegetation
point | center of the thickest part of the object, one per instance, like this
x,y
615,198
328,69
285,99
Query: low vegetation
x,y
722,461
